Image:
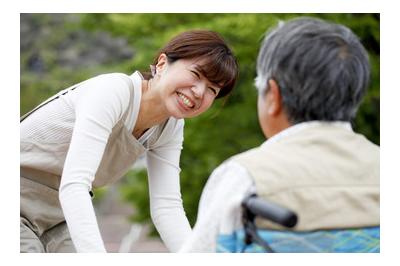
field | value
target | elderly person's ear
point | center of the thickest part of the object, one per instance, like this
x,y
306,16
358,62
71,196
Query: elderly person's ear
x,y
273,98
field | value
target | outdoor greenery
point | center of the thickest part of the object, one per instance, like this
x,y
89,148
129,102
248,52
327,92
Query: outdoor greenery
x,y
229,127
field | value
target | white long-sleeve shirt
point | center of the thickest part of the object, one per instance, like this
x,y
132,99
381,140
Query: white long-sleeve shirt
x,y
84,118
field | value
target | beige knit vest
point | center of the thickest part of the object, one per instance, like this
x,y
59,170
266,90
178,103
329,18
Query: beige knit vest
x,y
327,174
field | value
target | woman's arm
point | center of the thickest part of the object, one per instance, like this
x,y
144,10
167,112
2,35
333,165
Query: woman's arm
x,y
166,206
101,103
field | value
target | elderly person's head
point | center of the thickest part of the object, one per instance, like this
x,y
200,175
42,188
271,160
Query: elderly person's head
x,y
309,69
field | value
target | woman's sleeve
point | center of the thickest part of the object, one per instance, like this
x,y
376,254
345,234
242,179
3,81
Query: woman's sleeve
x,y
166,205
101,103
219,207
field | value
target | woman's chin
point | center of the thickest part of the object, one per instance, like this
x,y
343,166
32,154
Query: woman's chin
x,y
178,111
178,114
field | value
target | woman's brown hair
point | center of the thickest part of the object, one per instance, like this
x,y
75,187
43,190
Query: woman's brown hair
x,y
216,61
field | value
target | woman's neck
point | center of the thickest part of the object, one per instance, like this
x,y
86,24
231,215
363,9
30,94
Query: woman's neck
x,y
152,110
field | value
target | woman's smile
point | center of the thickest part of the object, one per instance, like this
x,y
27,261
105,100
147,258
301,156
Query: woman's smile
x,y
185,100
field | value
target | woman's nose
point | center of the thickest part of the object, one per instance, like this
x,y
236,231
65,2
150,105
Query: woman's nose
x,y
198,90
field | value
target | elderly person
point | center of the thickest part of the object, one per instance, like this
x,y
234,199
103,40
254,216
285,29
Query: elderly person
x,y
311,77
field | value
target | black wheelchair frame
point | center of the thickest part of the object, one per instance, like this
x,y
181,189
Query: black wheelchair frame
x,y
253,206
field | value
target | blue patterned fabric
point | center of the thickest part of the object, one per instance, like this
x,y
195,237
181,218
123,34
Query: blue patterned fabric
x,y
364,240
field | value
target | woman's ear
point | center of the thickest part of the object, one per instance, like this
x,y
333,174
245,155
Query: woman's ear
x,y
161,63
274,98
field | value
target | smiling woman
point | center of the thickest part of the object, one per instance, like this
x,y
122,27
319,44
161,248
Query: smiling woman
x,y
89,135
214,60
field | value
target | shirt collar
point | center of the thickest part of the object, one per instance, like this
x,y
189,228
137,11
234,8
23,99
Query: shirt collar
x,y
301,126
137,75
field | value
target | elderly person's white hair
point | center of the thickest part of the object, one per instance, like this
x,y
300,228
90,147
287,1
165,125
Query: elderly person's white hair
x,y
321,68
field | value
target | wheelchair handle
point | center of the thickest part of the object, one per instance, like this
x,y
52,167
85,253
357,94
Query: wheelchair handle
x,y
270,211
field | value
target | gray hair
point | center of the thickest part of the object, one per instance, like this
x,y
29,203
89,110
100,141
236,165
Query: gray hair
x,y
321,68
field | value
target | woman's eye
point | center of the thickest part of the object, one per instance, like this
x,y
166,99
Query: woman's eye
x,y
195,74
213,90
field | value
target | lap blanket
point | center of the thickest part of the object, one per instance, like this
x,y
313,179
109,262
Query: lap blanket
x,y
364,240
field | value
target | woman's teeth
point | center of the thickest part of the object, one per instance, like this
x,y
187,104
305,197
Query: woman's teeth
x,y
185,100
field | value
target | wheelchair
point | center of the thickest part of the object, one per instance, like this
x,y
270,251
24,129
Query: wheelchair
x,y
251,239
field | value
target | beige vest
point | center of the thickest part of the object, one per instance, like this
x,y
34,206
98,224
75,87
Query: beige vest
x,y
327,174
43,162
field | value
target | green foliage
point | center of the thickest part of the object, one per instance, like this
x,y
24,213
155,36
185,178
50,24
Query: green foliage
x,y
135,189
99,194
227,128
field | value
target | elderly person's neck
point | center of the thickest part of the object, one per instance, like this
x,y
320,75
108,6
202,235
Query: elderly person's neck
x,y
277,125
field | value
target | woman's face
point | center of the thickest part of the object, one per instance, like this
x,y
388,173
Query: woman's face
x,y
185,91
